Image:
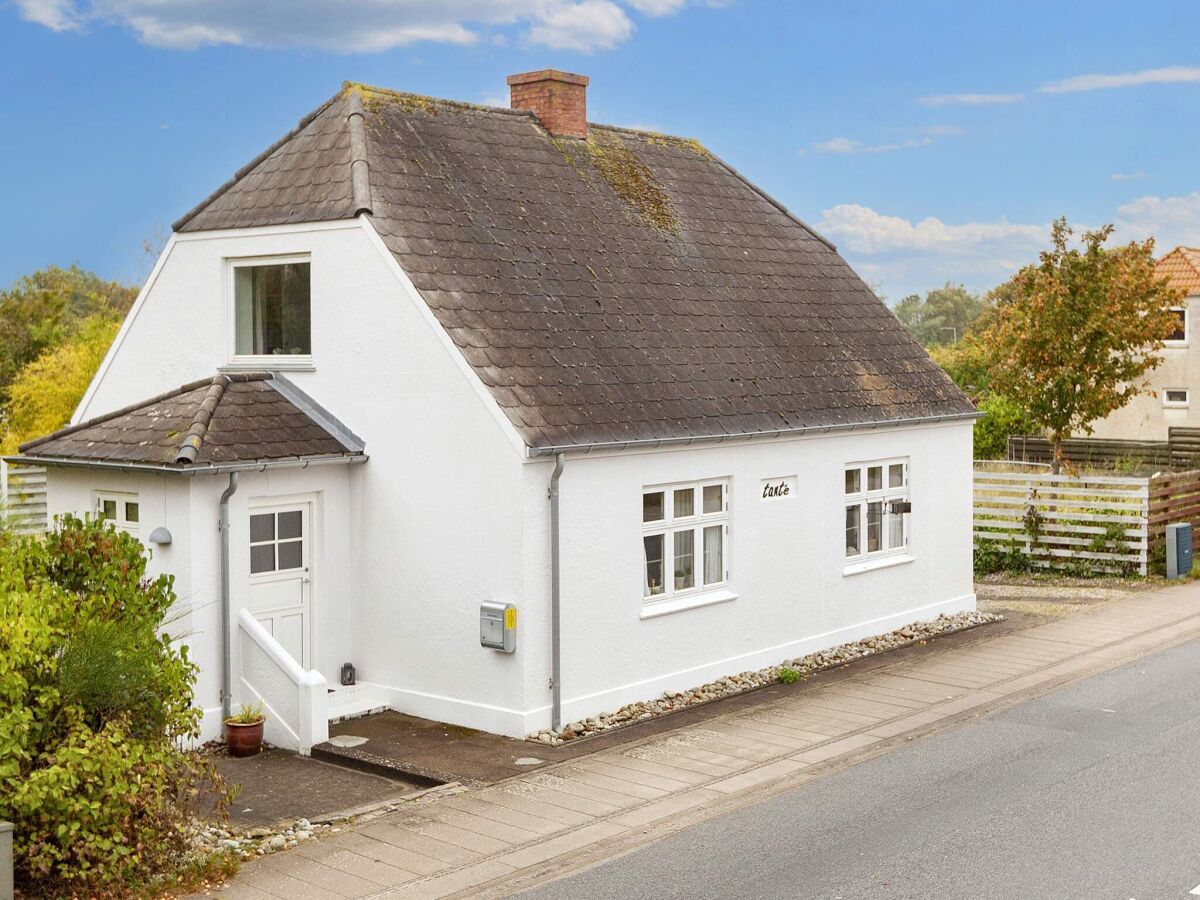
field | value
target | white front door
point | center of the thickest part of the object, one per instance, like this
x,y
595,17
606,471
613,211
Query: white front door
x,y
281,577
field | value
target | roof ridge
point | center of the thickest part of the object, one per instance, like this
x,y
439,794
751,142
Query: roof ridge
x,y
360,171
248,167
192,441
360,88
125,410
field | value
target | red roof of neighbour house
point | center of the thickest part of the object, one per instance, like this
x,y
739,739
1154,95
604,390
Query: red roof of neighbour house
x,y
1182,267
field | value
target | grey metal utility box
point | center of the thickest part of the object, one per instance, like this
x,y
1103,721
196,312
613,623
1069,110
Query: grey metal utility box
x,y
498,626
6,861
1179,549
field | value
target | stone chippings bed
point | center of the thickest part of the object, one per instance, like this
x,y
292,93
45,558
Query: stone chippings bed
x,y
671,701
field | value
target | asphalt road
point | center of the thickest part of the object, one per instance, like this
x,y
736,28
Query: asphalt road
x,y
1092,791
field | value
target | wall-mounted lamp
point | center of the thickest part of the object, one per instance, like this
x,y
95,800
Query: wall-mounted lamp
x,y
160,536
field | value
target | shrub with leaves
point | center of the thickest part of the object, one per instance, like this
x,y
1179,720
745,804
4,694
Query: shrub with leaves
x,y
95,702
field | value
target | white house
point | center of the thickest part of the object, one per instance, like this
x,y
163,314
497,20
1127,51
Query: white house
x,y
438,355
1168,400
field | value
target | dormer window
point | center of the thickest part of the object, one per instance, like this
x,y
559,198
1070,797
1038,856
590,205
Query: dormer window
x,y
272,311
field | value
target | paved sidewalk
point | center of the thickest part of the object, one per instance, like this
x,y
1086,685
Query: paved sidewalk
x,y
503,838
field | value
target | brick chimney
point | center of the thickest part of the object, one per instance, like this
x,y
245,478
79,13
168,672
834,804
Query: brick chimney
x,y
558,99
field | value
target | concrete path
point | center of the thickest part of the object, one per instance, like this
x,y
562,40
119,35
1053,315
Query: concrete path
x,y
1085,793
501,839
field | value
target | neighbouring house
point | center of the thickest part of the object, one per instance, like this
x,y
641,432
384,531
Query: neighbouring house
x,y
1169,401
521,417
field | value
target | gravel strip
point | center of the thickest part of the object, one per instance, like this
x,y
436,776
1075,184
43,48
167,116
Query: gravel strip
x,y
802,667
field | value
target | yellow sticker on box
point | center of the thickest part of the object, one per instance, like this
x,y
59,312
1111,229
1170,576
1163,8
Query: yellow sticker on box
x,y
510,617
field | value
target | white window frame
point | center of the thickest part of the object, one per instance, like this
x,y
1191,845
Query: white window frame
x,y
1187,328
885,495
270,361
1168,403
121,521
669,525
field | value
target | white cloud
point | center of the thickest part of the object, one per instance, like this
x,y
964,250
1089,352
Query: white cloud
x,y
846,146
1166,75
1128,176
353,26
587,25
57,15
901,256
864,230
1171,221
969,99
656,7
906,256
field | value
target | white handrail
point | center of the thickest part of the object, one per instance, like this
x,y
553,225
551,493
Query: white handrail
x,y
296,703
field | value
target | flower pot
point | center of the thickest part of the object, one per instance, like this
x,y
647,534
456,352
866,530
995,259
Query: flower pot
x,y
244,740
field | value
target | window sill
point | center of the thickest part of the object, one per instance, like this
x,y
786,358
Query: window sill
x,y
1175,345
652,610
271,364
883,562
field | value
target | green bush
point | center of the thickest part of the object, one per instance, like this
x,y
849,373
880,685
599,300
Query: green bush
x,y
1001,418
997,556
95,703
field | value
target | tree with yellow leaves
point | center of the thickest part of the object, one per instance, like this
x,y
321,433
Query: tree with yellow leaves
x,y
1073,339
45,392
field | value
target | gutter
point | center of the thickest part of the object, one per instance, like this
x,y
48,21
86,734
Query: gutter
x,y
295,462
652,443
555,598
226,638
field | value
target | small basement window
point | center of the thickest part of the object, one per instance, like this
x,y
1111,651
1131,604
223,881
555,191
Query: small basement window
x,y
877,503
1175,397
122,510
272,308
1180,334
685,533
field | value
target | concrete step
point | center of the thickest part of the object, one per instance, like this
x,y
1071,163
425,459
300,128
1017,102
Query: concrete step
x,y
352,701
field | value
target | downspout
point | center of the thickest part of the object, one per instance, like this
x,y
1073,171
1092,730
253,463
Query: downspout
x,y
226,661
555,619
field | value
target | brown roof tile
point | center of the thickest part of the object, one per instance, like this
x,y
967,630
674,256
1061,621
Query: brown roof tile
x,y
1182,268
627,287
249,417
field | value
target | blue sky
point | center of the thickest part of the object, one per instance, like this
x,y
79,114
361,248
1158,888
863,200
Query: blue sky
x,y
931,141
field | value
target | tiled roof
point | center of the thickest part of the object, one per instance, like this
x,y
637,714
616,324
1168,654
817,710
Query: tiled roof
x,y
630,287
251,417
1182,268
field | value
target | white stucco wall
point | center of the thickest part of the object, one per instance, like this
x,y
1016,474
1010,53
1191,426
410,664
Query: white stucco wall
x,y
188,507
436,524
1145,418
786,563
447,513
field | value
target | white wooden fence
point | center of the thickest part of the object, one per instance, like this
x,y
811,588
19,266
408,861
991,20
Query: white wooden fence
x,y
23,497
1101,522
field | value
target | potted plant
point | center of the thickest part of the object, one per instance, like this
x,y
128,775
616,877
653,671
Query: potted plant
x,y
244,731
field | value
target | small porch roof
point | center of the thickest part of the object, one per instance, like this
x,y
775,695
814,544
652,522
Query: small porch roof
x,y
231,421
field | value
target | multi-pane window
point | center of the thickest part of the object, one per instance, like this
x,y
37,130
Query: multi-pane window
x,y
877,505
122,510
276,541
685,533
272,309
